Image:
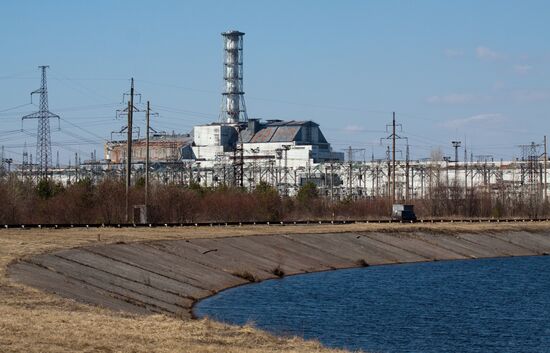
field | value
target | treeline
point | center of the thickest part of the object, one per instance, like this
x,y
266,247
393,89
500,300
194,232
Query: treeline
x,y
24,201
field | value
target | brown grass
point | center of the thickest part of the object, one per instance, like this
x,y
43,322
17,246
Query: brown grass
x,y
33,321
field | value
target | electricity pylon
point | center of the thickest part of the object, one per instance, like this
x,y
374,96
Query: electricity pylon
x,y
43,139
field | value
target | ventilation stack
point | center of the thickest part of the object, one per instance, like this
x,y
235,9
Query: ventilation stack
x,y
233,105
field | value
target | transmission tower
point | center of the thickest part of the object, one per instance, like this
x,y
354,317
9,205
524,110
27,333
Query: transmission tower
x,y
531,156
43,139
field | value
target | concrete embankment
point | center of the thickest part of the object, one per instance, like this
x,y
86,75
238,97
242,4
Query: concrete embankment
x,y
170,276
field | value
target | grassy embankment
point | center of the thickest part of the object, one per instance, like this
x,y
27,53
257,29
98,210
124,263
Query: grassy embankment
x,y
34,321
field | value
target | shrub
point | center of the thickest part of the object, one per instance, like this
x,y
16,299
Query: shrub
x,y
307,193
46,188
245,275
278,271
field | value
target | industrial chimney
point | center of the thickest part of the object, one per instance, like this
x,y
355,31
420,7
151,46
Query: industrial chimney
x,y
233,106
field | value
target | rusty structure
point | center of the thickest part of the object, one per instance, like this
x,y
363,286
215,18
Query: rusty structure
x,y
163,148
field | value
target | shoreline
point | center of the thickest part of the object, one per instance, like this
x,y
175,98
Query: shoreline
x,y
170,277
35,320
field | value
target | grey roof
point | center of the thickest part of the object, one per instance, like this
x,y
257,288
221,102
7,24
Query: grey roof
x,y
290,123
276,131
264,135
285,133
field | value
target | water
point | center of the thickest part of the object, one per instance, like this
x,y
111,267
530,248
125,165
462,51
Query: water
x,y
489,305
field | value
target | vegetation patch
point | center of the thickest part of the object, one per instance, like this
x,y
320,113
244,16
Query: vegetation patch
x,y
96,201
246,276
278,271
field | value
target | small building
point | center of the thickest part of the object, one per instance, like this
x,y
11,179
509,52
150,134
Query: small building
x,y
402,212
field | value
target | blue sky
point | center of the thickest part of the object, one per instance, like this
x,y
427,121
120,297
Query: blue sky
x,y
477,71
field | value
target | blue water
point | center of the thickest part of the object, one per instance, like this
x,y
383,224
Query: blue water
x,y
489,305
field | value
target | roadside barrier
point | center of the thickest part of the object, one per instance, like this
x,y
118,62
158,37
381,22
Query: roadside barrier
x,y
263,223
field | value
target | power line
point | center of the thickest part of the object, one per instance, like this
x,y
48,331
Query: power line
x,y
16,107
87,131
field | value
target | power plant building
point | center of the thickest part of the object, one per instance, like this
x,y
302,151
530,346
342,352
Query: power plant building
x,y
235,139
299,143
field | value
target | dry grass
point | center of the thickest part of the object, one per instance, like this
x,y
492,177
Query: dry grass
x,y
33,321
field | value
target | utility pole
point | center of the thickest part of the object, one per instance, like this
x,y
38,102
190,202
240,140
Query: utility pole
x,y
147,114
465,171
351,151
456,145
389,175
407,166
331,183
350,160
392,171
129,140
241,160
129,150
446,159
393,160
2,167
76,166
129,160
285,177
545,170
25,160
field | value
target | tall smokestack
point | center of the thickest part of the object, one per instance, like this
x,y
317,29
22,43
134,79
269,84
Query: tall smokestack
x,y
233,106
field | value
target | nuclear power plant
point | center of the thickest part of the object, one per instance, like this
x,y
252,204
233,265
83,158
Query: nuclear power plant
x,y
236,139
242,151
227,149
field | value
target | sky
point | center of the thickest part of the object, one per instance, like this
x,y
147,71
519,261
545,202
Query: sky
x,y
474,71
